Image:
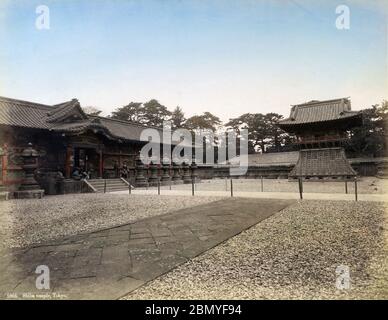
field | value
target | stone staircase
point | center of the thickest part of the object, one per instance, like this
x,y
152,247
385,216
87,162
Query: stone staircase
x,y
111,185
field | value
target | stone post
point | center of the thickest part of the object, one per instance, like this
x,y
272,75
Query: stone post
x,y
194,174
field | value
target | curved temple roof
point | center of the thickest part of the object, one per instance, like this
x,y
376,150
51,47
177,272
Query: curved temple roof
x,y
67,117
320,111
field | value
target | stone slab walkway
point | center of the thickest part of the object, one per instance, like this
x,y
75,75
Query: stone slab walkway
x,y
110,263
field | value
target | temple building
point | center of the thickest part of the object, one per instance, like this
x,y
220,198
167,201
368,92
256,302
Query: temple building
x,y
66,139
321,129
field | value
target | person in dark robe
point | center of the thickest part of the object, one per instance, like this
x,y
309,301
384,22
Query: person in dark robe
x,y
124,171
116,169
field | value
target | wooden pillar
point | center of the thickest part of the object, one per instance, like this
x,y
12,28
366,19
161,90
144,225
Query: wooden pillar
x,y
69,154
300,183
355,189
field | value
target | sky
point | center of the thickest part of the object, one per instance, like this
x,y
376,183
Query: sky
x,y
226,57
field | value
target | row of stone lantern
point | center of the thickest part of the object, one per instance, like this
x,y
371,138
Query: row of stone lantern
x,y
165,175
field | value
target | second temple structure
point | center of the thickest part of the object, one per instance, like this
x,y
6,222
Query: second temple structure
x,y
321,129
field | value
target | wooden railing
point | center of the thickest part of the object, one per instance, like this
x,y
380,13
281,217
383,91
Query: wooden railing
x,y
89,185
127,183
320,139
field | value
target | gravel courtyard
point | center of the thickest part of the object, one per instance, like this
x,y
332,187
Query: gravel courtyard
x,y
26,222
292,254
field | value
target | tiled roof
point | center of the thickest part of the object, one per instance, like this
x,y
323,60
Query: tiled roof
x,y
20,113
78,126
23,114
325,162
320,111
269,159
64,110
121,129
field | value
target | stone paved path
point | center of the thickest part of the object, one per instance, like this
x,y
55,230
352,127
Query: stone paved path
x,y
110,263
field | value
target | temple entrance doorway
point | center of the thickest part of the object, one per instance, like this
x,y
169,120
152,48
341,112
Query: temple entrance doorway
x,y
87,160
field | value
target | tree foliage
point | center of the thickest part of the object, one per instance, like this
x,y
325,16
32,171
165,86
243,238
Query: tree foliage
x,y
133,112
155,113
263,131
370,139
264,135
177,118
205,121
151,113
92,111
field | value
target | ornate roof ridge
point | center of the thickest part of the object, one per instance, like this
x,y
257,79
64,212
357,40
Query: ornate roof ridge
x,y
25,103
66,109
315,102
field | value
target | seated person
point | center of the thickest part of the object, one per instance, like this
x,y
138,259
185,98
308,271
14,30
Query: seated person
x,y
76,174
59,173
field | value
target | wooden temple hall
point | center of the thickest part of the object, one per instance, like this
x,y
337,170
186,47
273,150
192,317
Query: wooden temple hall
x,y
321,129
65,140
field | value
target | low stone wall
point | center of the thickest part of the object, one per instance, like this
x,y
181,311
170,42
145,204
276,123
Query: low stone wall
x,y
74,186
370,166
66,186
363,167
254,172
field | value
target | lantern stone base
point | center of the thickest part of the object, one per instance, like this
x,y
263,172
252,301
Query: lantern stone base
x,y
29,194
177,181
187,180
153,182
166,182
141,183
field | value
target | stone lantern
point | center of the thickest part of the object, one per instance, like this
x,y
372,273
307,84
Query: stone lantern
x,y
140,180
29,187
165,180
176,178
154,178
186,173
